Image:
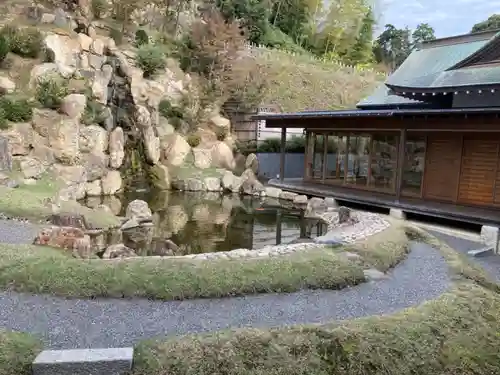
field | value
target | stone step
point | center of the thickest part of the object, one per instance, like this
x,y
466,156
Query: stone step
x,y
482,252
113,361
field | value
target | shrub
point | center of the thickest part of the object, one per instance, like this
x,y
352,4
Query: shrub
x,y
50,91
99,8
221,134
4,48
150,58
168,111
16,109
193,139
4,124
94,113
26,42
141,38
116,35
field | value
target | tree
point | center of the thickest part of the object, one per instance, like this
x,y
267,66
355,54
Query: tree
x,y
335,26
362,51
252,15
492,23
423,33
290,16
393,46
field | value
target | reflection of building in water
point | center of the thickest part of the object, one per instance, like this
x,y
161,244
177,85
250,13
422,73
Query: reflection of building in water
x,y
286,226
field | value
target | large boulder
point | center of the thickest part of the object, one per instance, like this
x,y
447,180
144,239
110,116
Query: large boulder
x,y
138,209
230,182
116,148
111,182
160,177
64,51
175,149
73,105
68,238
222,156
61,132
202,157
94,139
252,163
218,123
152,145
95,164
6,85
31,168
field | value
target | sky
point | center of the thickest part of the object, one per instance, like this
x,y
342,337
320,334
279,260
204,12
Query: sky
x,y
447,17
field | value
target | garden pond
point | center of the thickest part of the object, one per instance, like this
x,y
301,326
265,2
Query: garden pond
x,y
212,222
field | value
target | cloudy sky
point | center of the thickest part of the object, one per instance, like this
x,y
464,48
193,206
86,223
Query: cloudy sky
x,y
448,17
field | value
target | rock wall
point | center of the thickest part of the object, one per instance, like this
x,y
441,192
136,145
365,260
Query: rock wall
x,y
127,134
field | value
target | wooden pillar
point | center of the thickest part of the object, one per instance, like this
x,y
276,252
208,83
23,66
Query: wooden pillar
x,y
306,155
346,158
282,156
278,226
325,155
400,163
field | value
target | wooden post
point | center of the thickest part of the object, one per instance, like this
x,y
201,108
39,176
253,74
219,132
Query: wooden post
x,y
325,154
400,163
306,155
282,156
313,160
346,158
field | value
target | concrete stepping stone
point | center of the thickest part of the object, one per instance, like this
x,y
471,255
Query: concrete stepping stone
x,y
113,361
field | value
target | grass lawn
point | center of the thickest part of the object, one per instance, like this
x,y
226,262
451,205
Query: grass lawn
x,y
45,270
457,333
17,352
28,201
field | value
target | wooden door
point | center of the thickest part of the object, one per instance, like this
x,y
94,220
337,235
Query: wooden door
x,y
442,167
478,171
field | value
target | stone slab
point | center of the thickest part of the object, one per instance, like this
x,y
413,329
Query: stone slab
x,y
490,237
113,361
485,251
396,213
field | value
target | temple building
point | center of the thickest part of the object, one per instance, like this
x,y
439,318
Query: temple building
x,y
426,141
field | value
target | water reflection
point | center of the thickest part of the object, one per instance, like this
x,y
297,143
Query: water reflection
x,y
201,222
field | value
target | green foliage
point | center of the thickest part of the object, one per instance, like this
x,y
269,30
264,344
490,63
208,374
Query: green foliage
x,y
362,52
4,48
275,38
50,91
492,23
25,42
4,124
394,45
16,109
221,134
423,33
150,58
99,8
141,37
168,111
253,15
93,113
290,17
193,140
116,35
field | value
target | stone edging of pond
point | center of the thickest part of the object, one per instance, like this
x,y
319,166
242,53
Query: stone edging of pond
x,y
363,225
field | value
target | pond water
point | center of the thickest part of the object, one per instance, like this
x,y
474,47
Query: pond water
x,y
211,222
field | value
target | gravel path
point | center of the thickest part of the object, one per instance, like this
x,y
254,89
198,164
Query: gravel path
x,y
491,263
65,324
17,232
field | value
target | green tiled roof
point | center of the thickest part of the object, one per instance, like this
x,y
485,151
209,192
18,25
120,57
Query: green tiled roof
x,y
382,97
467,77
429,61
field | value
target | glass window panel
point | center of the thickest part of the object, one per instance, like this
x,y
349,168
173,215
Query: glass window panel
x,y
413,165
335,159
383,166
359,157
